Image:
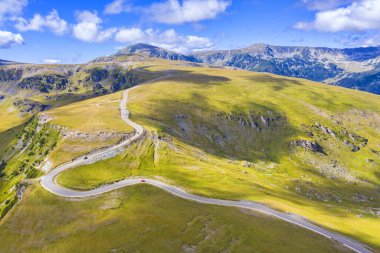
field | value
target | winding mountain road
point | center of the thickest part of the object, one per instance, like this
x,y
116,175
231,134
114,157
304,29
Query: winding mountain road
x,y
48,182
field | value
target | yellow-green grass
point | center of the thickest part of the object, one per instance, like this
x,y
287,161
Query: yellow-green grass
x,y
23,160
196,164
69,148
6,137
210,176
145,219
9,116
92,115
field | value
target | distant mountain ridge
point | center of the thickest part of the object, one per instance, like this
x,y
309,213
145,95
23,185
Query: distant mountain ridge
x,y
357,68
149,51
5,62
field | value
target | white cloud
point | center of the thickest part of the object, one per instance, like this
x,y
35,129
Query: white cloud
x,y
130,35
322,5
8,39
88,28
371,42
366,39
51,61
175,12
52,21
358,16
168,39
11,8
115,7
118,6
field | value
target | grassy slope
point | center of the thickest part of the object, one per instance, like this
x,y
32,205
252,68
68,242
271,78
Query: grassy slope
x,y
70,148
145,219
189,159
9,116
96,114
102,111
92,116
24,154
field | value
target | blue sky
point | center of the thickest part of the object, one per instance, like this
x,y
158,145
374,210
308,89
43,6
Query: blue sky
x,y
77,31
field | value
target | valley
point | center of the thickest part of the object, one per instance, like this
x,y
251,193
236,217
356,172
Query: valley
x,y
297,146
190,126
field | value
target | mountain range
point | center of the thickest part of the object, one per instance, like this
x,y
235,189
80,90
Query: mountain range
x,y
357,68
300,147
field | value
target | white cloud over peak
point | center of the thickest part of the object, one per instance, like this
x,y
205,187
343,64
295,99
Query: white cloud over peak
x,y
52,21
359,16
176,12
11,8
168,39
131,35
8,39
88,28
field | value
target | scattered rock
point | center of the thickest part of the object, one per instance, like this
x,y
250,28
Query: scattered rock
x,y
370,160
10,74
20,188
326,130
375,152
353,147
44,82
334,170
360,198
309,145
376,211
29,106
257,121
246,164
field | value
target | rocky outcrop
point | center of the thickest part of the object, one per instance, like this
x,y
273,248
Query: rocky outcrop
x,y
350,139
98,74
309,146
29,106
44,82
326,130
10,74
257,121
120,78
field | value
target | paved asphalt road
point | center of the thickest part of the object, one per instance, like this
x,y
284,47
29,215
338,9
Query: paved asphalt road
x,y
49,184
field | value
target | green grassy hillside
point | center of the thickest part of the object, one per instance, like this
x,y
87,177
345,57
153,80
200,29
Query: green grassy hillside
x,y
145,219
27,89
299,146
53,137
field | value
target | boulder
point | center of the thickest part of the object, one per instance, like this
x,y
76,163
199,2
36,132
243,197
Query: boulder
x,y
308,145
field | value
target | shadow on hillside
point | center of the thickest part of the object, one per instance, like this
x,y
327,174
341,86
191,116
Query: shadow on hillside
x,y
184,76
277,83
195,122
8,135
68,98
377,174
